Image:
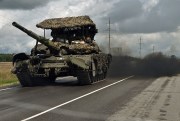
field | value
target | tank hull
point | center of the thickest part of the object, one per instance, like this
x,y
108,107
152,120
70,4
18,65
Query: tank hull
x,y
40,69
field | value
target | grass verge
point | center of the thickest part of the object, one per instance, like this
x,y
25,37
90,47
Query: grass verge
x,y
6,77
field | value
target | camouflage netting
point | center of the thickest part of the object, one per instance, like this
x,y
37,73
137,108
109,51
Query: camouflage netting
x,y
57,23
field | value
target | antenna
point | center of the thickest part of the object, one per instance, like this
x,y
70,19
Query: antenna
x,y
140,46
44,33
109,36
153,49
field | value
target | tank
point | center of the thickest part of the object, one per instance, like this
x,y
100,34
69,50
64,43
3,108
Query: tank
x,y
72,52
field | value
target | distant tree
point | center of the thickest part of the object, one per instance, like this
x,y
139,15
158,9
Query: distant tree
x,y
6,57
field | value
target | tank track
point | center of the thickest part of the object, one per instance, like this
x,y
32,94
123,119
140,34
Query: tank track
x,y
26,80
86,77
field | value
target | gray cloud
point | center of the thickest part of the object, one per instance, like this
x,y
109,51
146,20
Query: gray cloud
x,y
13,41
124,10
22,4
157,25
164,17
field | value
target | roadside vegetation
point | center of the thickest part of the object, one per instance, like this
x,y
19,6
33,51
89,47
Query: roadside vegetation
x,y
6,77
6,57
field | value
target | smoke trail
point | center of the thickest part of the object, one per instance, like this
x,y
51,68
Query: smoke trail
x,y
155,64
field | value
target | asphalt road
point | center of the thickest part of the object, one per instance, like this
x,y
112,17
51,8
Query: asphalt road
x,y
115,99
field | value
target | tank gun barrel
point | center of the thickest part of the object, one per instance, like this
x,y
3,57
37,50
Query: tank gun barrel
x,y
40,39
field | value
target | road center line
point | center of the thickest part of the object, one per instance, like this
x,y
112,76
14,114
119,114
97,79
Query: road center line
x,y
70,101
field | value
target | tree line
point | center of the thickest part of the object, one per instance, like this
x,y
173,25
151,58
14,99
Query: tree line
x,y
6,57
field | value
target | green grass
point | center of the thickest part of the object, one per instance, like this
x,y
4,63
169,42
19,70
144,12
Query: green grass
x,y
6,77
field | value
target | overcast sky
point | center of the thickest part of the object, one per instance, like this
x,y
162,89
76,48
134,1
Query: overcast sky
x,y
156,21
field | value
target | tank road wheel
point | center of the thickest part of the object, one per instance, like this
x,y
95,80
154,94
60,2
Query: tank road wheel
x,y
105,73
86,77
52,77
94,72
101,75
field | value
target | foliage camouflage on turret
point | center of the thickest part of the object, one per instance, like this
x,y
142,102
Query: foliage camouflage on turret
x,y
57,23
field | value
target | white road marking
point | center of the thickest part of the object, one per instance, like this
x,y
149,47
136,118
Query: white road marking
x,y
6,89
70,101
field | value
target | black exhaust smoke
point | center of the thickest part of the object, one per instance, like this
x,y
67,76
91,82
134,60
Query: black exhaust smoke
x,y
155,64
